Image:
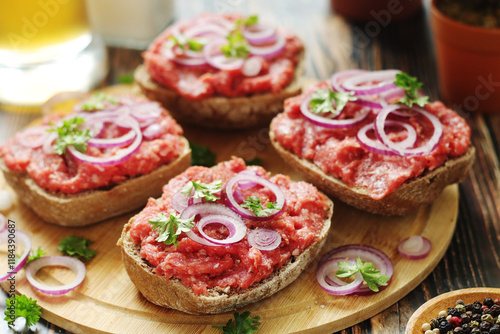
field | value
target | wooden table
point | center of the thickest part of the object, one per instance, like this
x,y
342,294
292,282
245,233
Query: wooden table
x,y
473,258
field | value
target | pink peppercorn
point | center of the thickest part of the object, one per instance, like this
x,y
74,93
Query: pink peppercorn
x,y
455,321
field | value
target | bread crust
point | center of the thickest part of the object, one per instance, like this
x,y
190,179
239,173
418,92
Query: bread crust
x,y
219,112
405,199
92,206
173,294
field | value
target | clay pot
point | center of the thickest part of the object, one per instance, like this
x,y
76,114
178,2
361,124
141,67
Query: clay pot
x,y
378,10
468,61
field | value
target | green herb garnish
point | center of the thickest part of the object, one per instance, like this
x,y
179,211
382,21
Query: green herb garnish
x,y
126,78
243,324
201,155
97,101
253,203
254,162
69,134
34,255
323,101
205,190
411,85
193,44
77,247
371,276
170,227
24,307
251,20
237,46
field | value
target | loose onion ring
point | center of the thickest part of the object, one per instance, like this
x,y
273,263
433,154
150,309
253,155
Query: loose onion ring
x,y
264,239
20,238
378,147
236,227
332,284
77,266
415,247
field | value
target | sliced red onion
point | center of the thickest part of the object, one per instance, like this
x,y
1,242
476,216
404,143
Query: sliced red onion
x,y
264,239
260,33
152,131
328,122
77,266
338,78
269,51
415,247
47,145
124,140
331,283
249,214
367,254
376,146
247,184
168,52
22,240
251,67
384,81
215,57
146,111
428,147
206,30
34,136
236,227
179,201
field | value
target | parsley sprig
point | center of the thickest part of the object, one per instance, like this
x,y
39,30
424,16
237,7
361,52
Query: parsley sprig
x,y
201,155
203,190
168,228
35,254
98,101
253,203
371,276
323,101
237,46
243,324
411,85
77,246
69,134
251,20
24,307
184,43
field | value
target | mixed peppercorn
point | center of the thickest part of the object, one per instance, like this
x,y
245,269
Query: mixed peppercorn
x,y
475,318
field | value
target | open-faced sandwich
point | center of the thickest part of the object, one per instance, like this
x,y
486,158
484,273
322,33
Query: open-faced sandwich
x,y
103,160
222,71
223,237
372,140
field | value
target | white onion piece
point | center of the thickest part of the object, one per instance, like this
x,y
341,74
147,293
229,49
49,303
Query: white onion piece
x,y
215,57
339,288
328,122
77,266
260,33
269,51
249,214
376,146
264,239
415,247
34,136
236,227
428,147
22,240
385,80
6,199
251,67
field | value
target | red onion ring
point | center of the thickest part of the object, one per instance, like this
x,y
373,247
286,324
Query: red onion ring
x,y
236,227
384,78
21,239
338,78
415,247
378,147
264,239
168,52
77,266
215,57
328,122
260,33
206,29
428,147
332,284
34,136
269,51
146,111
251,67
367,254
124,140
152,131
249,214
248,184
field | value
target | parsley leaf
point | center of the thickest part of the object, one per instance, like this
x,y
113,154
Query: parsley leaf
x,y
322,101
69,134
237,46
371,276
411,85
24,307
35,254
194,44
169,228
253,203
243,324
251,20
201,155
77,247
254,162
206,190
126,78
98,101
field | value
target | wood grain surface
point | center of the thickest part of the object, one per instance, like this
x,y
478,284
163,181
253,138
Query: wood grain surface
x,y
333,43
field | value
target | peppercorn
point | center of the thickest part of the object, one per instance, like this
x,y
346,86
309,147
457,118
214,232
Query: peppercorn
x,y
486,310
468,307
476,317
459,330
455,321
444,326
485,326
434,323
473,324
465,318
466,328
497,301
475,331
460,308
453,312
488,318
440,319
460,302
477,307
495,310
495,329
426,327
488,302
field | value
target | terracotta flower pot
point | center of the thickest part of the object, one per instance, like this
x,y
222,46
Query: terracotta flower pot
x,y
383,11
468,60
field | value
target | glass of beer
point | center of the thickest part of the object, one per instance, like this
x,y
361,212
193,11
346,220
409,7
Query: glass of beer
x,y
46,46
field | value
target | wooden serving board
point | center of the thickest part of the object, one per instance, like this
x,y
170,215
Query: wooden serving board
x,y
107,301
431,308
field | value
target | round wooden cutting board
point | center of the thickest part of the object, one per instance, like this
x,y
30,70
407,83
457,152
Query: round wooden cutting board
x,y
107,301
